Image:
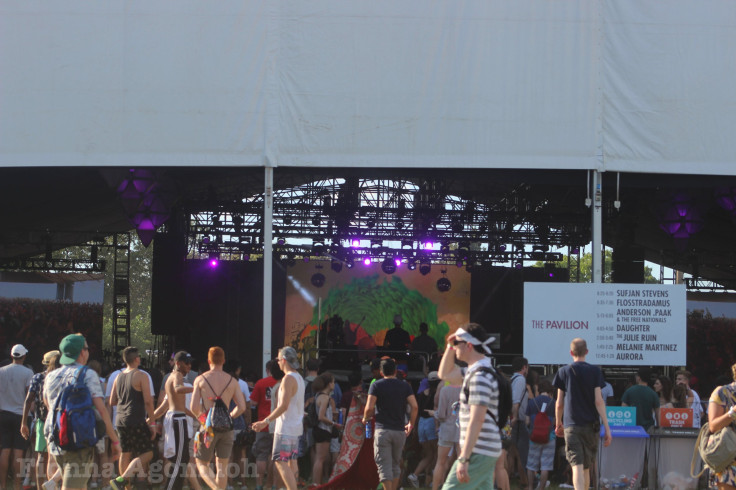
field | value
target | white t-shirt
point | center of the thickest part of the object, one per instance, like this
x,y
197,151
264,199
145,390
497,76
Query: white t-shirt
x,y
108,390
606,391
697,409
14,382
244,388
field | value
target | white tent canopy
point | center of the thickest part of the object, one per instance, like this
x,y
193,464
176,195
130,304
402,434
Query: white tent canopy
x,y
613,85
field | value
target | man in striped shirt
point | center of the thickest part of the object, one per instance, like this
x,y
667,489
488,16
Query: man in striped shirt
x,y
480,439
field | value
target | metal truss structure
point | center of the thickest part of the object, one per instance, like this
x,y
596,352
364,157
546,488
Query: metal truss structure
x,y
351,218
55,265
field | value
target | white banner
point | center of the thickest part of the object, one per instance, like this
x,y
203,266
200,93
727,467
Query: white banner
x,y
623,324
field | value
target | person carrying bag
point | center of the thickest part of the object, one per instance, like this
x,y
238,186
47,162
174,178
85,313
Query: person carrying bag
x,y
717,439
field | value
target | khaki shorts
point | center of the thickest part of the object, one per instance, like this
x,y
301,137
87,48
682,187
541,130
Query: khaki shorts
x,y
581,444
221,447
76,467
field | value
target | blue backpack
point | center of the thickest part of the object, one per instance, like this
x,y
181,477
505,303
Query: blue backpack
x,y
75,419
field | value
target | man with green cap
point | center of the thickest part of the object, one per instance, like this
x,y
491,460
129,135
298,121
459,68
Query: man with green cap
x,y
76,466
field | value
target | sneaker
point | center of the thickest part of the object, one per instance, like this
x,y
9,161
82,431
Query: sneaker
x,y
413,479
49,485
118,483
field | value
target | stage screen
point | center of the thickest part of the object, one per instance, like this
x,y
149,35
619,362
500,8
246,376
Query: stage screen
x,y
361,303
31,315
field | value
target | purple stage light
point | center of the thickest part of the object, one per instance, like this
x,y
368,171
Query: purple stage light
x,y
214,263
355,243
398,262
428,245
367,261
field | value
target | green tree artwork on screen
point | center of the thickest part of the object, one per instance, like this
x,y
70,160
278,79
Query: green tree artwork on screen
x,y
373,301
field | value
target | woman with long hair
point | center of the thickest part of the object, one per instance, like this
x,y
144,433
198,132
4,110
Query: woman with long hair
x,y
322,386
679,397
663,387
34,397
721,413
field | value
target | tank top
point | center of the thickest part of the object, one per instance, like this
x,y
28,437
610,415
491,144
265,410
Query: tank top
x,y
289,423
131,408
328,412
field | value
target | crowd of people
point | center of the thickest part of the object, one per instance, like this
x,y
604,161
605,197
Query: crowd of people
x,y
296,427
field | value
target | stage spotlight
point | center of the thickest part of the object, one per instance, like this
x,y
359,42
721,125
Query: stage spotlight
x,y
214,260
355,243
518,266
443,284
425,265
318,249
428,245
411,263
336,265
388,266
367,261
397,261
318,280
550,269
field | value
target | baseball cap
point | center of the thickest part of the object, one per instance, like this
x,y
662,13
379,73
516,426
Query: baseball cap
x,y
71,346
18,351
183,356
433,376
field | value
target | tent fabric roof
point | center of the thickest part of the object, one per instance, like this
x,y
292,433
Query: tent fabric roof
x,y
614,85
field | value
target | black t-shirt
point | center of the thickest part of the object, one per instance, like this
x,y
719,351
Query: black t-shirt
x,y
397,339
424,343
579,380
391,395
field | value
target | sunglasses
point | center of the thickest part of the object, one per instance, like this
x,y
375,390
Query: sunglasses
x,y
458,342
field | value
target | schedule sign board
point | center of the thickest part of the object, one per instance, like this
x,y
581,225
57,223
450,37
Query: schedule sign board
x,y
623,324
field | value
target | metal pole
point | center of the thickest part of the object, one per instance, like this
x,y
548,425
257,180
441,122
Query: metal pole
x,y
597,227
267,265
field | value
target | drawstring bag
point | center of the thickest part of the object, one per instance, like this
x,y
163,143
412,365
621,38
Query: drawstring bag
x,y
717,451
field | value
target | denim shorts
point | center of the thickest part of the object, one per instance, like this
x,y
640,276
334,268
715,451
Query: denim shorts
x,y
427,430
